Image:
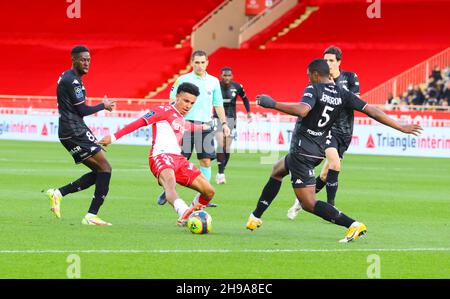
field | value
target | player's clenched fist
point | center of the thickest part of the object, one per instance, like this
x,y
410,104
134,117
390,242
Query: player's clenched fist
x,y
265,101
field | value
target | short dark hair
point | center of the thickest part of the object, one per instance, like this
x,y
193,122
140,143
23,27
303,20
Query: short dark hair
x,y
334,51
226,69
79,49
319,65
189,88
199,53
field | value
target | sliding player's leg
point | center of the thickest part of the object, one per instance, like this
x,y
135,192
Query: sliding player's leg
x,y
168,181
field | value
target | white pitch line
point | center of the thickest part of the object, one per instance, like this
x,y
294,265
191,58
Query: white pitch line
x,y
226,250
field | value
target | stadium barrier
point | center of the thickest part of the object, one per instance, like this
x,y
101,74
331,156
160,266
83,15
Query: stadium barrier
x,y
266,133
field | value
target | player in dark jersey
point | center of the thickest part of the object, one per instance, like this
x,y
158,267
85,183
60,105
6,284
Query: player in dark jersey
x,y
321,104
230,91
341,132
78,140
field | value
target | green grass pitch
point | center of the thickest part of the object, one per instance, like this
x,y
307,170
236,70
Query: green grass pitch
x,y
405,203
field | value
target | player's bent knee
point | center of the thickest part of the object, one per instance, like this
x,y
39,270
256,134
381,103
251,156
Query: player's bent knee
x,y
278,172
336,166
210,193
105,167
205,163
308,206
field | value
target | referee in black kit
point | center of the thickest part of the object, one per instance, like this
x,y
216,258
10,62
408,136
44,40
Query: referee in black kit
x,y
79,141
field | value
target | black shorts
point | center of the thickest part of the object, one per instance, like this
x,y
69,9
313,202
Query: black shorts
x,y
339,142
203,141
301,169
82,146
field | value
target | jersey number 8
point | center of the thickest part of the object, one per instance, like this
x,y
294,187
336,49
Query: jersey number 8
x,y
90,136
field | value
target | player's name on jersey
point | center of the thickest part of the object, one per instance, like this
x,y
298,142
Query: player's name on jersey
x,y
331,100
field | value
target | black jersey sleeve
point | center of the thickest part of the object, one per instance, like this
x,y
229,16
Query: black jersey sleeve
x,y
244,98
85,110
309,96
354,102
353,84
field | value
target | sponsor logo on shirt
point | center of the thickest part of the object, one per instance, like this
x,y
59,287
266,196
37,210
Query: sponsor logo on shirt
x,y
314,133
177,126
75,150
78,92
149,114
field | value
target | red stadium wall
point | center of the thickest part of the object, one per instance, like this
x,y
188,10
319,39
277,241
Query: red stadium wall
x,y
132,43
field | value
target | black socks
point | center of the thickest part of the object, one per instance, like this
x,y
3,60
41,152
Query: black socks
x,y
101,190
330,213
319,184
332,185
221,162
268,194
82,183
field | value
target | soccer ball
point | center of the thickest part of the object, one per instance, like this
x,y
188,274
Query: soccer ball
x,y
199,222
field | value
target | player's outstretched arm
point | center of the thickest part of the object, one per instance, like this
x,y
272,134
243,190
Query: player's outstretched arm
x,y
377,114
85,110
297,109
131,127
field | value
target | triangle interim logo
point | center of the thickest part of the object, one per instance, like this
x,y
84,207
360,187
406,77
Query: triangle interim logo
x,y
44,131
370,143
280,138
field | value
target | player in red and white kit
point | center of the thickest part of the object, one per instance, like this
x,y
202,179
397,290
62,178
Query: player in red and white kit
x,y
165,159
